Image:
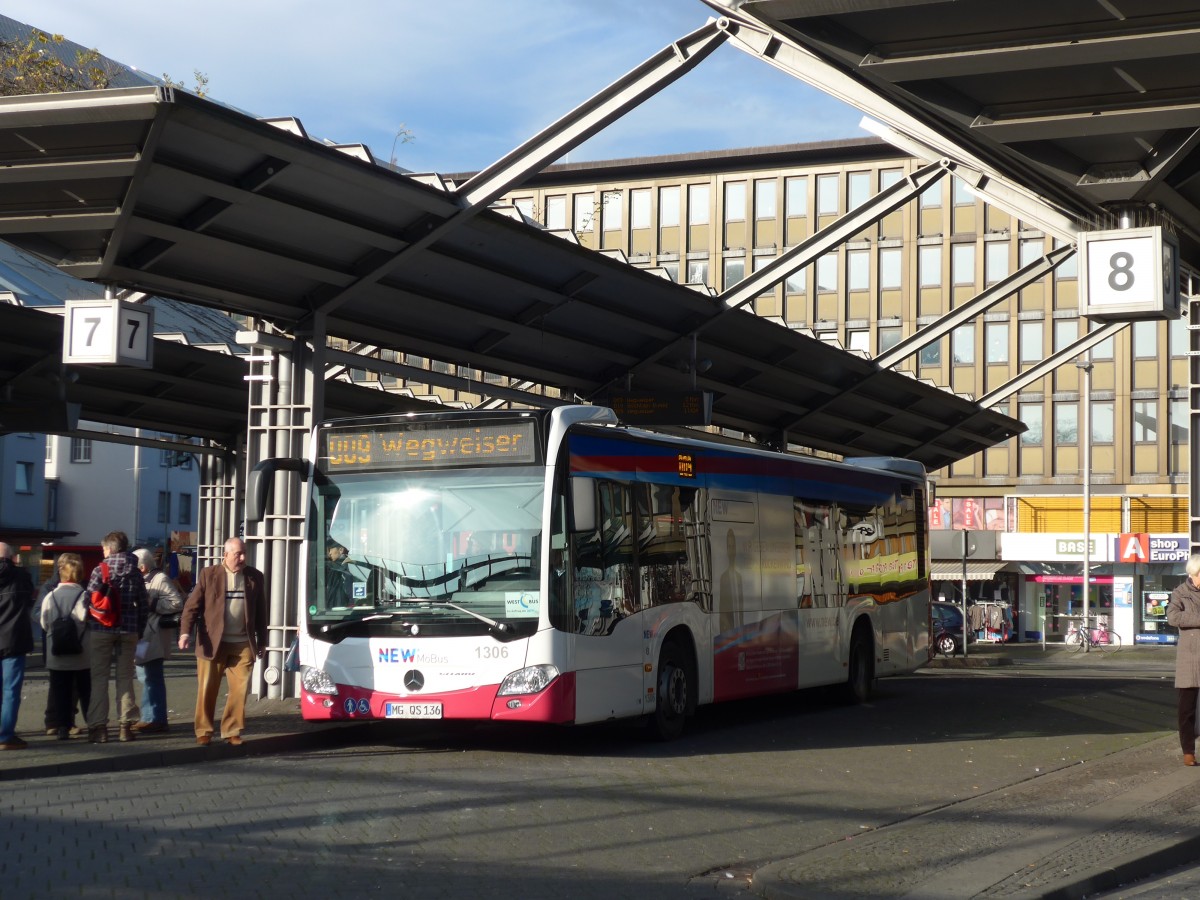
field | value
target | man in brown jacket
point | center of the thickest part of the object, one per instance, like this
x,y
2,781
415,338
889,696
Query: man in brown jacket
x,y
228,611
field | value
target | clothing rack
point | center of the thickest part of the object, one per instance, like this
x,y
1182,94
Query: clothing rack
x,y
992,621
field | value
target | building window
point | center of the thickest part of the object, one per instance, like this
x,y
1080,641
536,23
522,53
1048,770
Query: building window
x,y
931,197
1177,335
24,483
1066,423
1030,251
1179,420
585,212
49,448
796,197
639,209
889,337
764,199
1145,340
797,282
1104,349
962,263
735,201
1145,422
890,268
698,204
929,265
1069,268
1030,339
735,271
931,354
995,261
166,459
827,195
962,194
164,507
995,336
860,339
524,205
1066,332
668,207
1101,413
827,273
81,450
185,509
858,189
963,345
889,177
858,270
556,213
612,210
672,270
1031,415
697,271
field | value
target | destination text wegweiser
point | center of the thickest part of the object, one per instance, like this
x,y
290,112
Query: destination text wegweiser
x,y
400,447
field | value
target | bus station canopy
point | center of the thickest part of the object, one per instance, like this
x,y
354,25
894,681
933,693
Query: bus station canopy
x,y
160,191
1092,105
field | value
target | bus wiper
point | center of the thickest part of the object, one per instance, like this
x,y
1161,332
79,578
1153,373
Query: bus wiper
x,y
492,623
346,623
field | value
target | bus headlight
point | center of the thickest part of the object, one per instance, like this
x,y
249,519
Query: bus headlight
x,y
315,681
527,681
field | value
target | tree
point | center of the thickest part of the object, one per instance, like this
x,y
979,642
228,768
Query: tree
x,y
40,64
201,88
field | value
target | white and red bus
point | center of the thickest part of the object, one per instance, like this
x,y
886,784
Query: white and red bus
x,y
556,566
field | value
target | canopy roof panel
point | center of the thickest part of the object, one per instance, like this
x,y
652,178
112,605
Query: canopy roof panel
x,y
1089,103
167,193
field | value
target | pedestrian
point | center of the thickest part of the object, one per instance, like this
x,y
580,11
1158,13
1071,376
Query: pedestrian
x,y
228,611
70,673
50,718
113,648
164,602
1183,611
16,640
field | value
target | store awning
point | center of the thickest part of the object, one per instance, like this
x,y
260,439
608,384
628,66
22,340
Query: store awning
x,y
976,571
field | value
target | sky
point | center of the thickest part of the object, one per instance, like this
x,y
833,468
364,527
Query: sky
x,y
470,79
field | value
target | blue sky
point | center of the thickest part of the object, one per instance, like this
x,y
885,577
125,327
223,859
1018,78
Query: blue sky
x,y
472,79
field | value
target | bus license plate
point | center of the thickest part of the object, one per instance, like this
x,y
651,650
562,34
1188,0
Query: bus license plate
x,y
412,710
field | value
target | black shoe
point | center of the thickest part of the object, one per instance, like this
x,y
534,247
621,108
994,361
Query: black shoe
x,y
14,743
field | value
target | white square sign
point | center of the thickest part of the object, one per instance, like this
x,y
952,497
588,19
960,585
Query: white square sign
x,y
1131,273
108,332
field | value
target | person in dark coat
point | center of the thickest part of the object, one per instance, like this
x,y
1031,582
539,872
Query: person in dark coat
x,y
16,640
1183,611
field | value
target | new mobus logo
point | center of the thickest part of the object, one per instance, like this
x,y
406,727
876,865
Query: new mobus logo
x,y
405,655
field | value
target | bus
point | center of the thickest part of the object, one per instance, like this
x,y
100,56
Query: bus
x,y
557,566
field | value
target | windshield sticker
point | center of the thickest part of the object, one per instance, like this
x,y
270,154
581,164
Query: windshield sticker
x,y
359,590
521,604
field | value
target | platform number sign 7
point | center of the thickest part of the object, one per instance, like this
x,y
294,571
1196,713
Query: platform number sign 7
x,y
100,332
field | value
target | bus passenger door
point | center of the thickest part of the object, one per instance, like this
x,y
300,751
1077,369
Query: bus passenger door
x,y
608,628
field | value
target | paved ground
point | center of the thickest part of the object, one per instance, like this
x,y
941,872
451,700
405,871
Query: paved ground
x,y
1072,830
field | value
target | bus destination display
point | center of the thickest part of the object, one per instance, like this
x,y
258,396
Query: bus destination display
x,y
405,446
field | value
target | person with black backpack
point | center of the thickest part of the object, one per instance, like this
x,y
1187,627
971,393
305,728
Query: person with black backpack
x,y
117,619
63,617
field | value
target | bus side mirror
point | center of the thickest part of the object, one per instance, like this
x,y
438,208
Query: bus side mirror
x,y
583,505
261,480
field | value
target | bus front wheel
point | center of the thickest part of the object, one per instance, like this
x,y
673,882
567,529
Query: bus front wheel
x,y
673,686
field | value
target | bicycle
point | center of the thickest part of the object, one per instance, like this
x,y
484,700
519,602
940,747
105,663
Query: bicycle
x,y
1099,637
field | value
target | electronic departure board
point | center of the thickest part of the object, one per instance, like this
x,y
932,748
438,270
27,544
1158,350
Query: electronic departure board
x,y
432,445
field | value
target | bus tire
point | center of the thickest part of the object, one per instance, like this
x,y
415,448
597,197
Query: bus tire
x,y
860,679
673,686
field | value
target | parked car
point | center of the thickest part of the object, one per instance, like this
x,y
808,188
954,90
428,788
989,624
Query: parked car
x,y
946,628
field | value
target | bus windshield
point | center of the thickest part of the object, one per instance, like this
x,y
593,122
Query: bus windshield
x,y
451,549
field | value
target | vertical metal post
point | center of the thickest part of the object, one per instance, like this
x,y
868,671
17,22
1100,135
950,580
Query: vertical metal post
x,y
1085,443
966,550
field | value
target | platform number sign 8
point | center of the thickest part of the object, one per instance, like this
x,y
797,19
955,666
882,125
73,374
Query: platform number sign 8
x,y
1130,273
